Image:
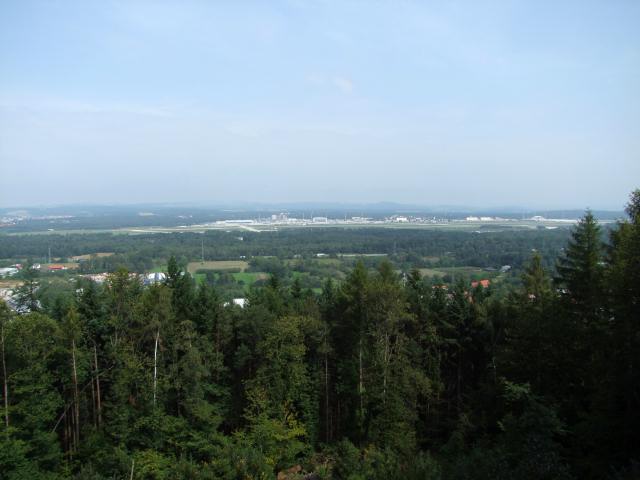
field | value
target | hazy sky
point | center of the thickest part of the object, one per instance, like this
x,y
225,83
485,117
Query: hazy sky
x,y
476,103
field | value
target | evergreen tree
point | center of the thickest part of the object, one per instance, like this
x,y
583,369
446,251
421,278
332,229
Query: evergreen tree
x,y
581,268
380,376
279,395
26,294
35,405
622,400
350,347
5,316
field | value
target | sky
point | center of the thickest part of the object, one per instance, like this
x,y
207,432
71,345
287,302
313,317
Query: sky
x,y
518,103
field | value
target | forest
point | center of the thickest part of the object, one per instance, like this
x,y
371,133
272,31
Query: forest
x,y
380,375
139,252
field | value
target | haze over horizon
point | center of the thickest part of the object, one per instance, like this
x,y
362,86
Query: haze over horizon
x,y
531,104
353,208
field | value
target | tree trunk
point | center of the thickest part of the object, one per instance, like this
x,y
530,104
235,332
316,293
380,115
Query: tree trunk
x,y
76,395
97,373
361,387
155,367
93,404
66,443
326,396
459,382
5,386
385,369
218,350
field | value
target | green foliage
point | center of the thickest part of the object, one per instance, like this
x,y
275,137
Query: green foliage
x,y
382,375
581,268
26,297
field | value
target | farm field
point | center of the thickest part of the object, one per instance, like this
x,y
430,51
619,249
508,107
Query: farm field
x,y
247,277
10,283
466,271
193,267
89,256
250,277
432,272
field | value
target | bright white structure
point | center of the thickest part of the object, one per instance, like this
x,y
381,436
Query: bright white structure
x,y
153,278
241,302
7,272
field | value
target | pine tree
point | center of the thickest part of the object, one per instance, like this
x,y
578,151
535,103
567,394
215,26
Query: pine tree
x,y
5,315
72,332
395,381
26,294
33,354
623,386
580,269
351,362
279,395
536,282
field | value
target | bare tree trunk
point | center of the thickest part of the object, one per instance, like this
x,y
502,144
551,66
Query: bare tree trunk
x,y
385,369
93,404
76,395
133,462
338,430
97,373
155,371
68,436
5,386
218,349
459,382
495,370
360,382
65,437
326,396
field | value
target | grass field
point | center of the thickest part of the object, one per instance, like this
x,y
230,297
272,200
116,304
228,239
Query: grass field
x,y
431,272
456,271
249,277
192,267
5,283
88,256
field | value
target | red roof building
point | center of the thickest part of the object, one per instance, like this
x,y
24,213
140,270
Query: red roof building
x,y
485,283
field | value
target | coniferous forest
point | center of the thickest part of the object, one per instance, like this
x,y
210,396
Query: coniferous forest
x,y
379,376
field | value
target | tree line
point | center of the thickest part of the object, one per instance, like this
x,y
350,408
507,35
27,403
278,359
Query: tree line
x,y
141,252
380,376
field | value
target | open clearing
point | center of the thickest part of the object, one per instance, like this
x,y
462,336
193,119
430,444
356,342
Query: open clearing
x,y
431,272
250,277
88,256
456,271
10,283
247,278
193,267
